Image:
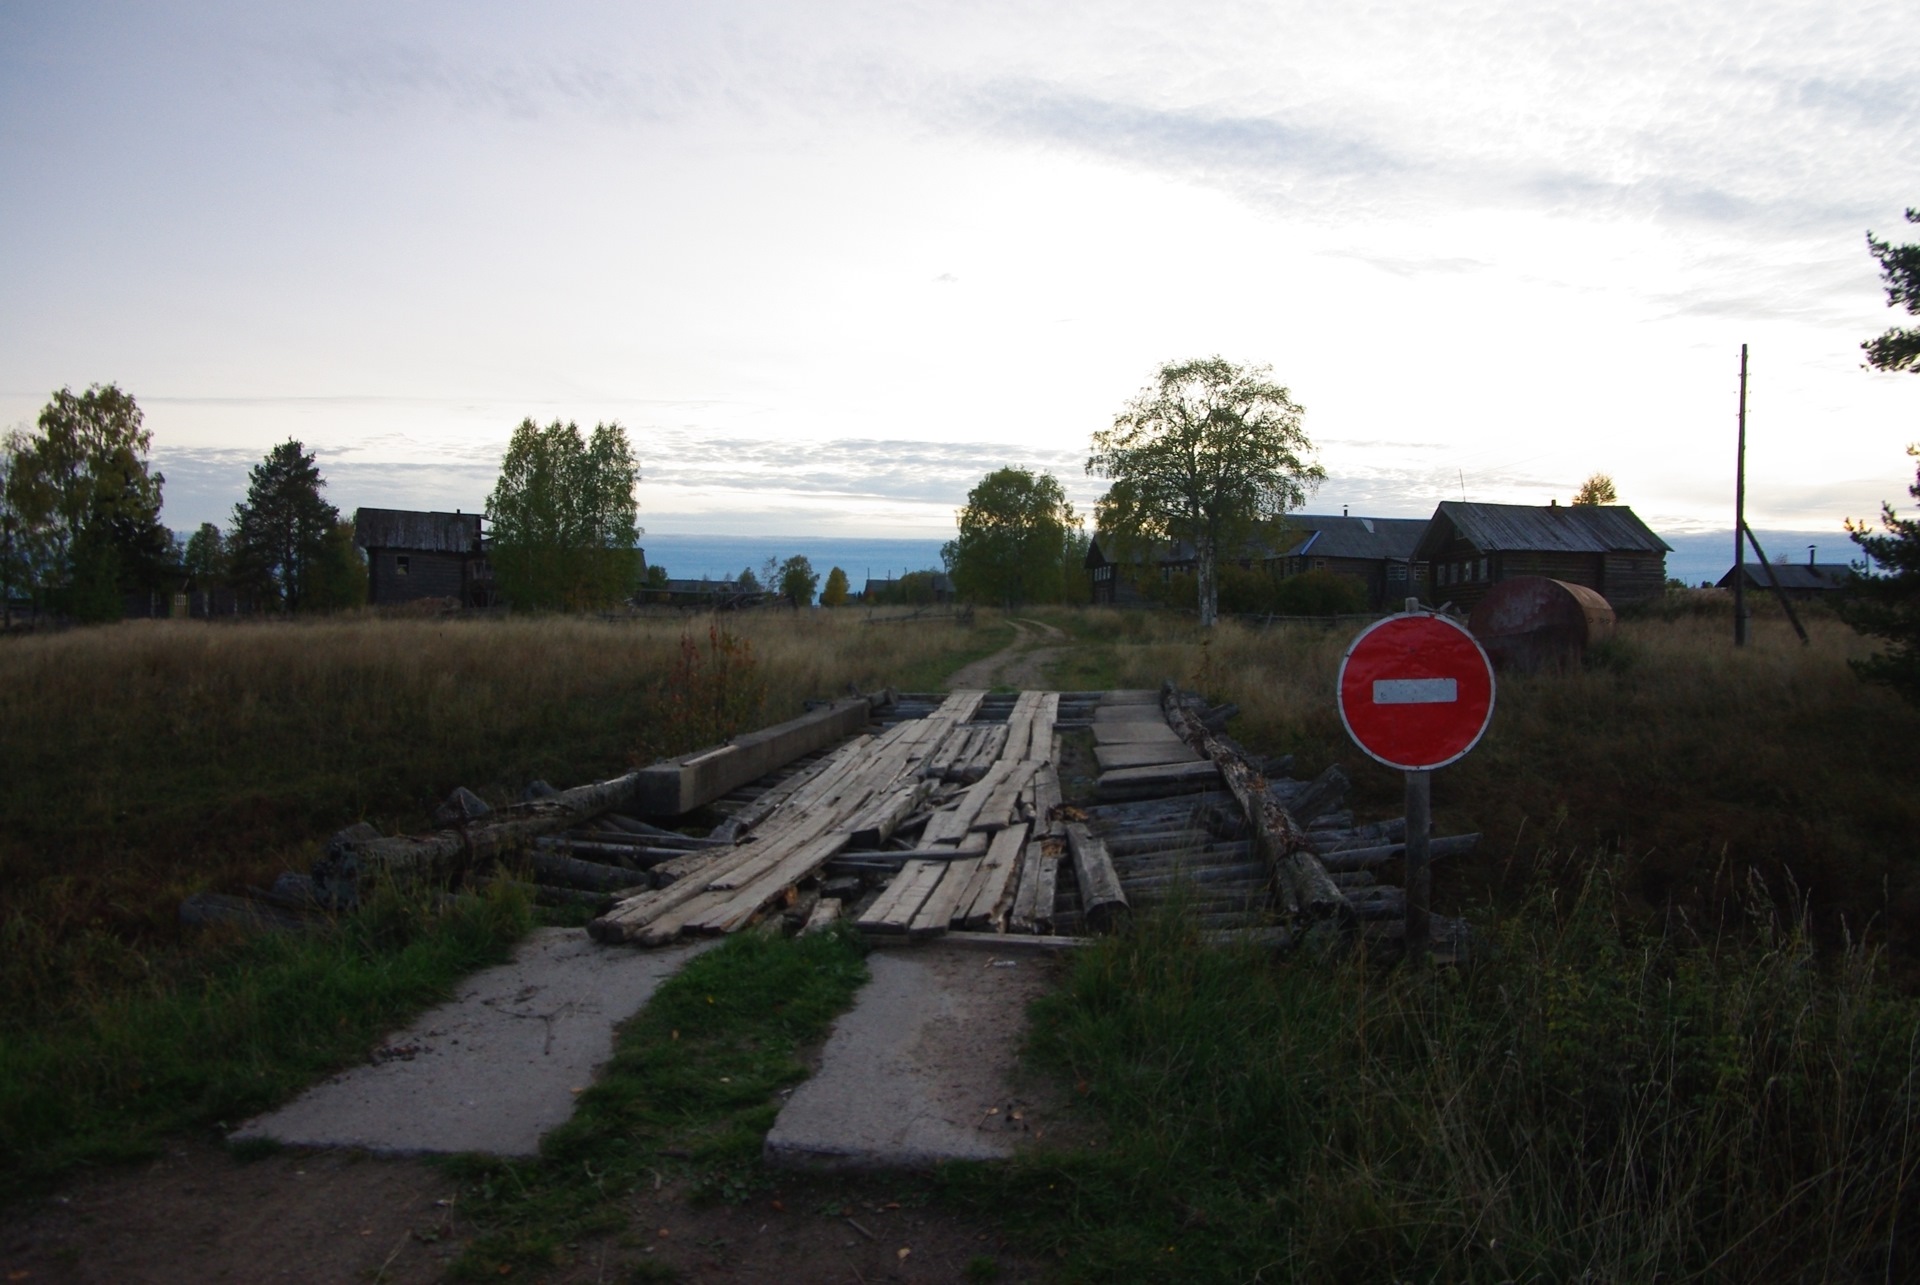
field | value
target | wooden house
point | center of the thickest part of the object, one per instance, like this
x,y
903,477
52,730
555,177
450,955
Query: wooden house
x,y
412,555
914,588
1797,579
1605,547
1378,552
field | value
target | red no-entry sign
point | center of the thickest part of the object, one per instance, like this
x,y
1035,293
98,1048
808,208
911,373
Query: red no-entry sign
x,y
1416,691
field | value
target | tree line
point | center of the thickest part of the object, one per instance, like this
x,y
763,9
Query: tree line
x,y
80,528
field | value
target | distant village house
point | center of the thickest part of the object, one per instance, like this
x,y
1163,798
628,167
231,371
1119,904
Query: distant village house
x,y
412,555
1800,580
1604,547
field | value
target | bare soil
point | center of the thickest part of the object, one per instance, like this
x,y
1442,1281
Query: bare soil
x,y
197,1214
1021,664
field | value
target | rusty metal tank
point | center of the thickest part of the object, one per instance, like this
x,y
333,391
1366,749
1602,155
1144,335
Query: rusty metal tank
x,y
1531,623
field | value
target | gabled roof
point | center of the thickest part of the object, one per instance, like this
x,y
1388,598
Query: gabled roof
x,y
1339,536
1796,575
942,582
1557,528
421,532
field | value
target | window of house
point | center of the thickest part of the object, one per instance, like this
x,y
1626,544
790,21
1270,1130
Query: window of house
x,y
1483,569
402,564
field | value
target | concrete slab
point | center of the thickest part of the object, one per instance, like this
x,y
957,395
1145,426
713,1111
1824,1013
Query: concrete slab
x,y
923,1069
1143,754
1140,732
1105,713
494,1069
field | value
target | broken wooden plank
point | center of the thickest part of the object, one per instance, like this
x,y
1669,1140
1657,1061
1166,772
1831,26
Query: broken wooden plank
x,y
1457,845
935,915
985,904
894,909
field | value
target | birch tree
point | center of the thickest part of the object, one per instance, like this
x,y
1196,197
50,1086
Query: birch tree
x,y
1209,453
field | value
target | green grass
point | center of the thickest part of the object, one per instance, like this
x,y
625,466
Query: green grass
x,y
241,1029
691,1091
1591,1101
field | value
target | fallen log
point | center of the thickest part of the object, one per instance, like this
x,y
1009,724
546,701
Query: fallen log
x,y
1278,837
589,876
1103,902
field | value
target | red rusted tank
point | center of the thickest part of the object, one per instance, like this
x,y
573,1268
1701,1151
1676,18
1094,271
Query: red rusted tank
x,y
1531,623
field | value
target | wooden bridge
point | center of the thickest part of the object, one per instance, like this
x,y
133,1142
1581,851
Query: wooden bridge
x,y
1044,816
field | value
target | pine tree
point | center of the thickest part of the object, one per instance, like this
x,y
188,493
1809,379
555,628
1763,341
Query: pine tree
x,y
281,532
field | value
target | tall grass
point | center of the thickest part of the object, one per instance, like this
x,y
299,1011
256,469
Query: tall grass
x,y
249,1023
1590,1101
1696,761
147,760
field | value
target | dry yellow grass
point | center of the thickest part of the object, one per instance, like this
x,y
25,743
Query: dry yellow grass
x,y
148,759
1696,761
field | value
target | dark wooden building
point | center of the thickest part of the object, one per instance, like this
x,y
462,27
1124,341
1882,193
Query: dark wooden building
x,y
413,555
1603,546
1797,579
1378,552
1111,580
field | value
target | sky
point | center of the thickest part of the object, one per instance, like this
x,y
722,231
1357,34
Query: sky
x,y
829,264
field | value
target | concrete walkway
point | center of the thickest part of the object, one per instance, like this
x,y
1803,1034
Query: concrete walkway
x,y
923,1068
494,1069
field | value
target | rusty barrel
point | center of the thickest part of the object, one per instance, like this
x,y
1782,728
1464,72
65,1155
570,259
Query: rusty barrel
x,y
1531,623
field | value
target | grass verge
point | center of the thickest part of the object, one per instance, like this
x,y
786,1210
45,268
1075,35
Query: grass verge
x,y
245,1027
1591,1102
692,1089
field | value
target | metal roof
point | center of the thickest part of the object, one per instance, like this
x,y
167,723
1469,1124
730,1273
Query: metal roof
x,y
1340,536
1558,528
1796,575
422,532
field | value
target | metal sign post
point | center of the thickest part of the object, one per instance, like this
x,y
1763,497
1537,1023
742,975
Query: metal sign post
x,y
1416,693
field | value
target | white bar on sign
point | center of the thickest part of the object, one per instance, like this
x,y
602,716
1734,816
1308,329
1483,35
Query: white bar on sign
x,y
1415,691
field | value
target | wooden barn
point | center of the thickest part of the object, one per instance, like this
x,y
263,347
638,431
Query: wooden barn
x,y
1605,547
413,555
1111,579
1378,552
1800,580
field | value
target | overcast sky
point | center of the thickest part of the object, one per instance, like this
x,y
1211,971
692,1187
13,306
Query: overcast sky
x,y
830,263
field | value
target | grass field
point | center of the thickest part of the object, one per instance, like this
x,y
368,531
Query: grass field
x,y
1697,763
1691,1055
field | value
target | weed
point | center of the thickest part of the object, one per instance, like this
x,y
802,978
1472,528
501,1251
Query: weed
x,y
1593,1101
693,1087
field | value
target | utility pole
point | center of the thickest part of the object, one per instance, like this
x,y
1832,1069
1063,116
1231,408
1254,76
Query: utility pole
x,y
1740,516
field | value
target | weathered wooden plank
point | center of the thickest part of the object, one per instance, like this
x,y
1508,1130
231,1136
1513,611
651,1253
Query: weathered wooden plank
x,y
1168,778
986,904
936,914
752,898
1000,808
1103,903
1045,717
1456,845
894,909
876,822
951,825
990,741
826,913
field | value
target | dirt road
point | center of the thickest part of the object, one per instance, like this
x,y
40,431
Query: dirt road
x,y
1021,664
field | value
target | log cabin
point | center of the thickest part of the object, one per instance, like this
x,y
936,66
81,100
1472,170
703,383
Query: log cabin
x,y
1605,547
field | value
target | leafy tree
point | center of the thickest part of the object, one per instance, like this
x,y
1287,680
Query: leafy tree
x,y
1013,539
1887,605
85,504
1598,489
655,581
563,514
1209,453
205,560
835,594
797,579
339,577
1897,349
748,582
